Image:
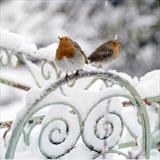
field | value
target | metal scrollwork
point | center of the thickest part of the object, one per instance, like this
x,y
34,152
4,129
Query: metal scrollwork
x,y
111,120
9,57
96,135
4,57
46,72
60,133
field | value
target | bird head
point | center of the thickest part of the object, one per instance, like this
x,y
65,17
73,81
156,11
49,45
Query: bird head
x,y
65,42
113,43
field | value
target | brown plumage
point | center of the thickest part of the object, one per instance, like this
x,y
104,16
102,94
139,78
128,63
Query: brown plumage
x,y
105,54
69,55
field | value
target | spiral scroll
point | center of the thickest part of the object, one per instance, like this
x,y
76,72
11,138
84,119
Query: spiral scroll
x,y
99,127
47,72
59,133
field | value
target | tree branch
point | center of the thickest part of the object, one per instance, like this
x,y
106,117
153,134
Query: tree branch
x,y
14,84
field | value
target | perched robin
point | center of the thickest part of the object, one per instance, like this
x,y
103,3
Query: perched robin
x,y
69,56
105,54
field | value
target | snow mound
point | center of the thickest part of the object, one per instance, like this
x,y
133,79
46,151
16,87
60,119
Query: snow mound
x,y
13,41
48,52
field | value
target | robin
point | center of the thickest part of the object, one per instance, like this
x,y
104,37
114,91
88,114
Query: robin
x,y
105,54
69,56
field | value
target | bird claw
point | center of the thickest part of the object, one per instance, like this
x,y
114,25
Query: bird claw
x,y
67,77
77,74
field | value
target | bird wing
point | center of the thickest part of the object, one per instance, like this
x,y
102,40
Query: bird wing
x,y
80,49
101,53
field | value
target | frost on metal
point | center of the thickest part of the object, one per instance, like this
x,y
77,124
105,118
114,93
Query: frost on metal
x,y
86,108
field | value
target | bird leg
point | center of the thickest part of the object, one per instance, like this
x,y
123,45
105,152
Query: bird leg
x,y
67,76
77,73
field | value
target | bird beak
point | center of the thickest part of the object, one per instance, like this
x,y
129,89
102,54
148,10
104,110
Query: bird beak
x,y
59,38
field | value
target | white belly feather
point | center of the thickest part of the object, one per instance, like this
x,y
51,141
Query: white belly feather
x,y
71,64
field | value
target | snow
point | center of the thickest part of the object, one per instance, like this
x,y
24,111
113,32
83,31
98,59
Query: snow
x,y
106,3
39,78
111,118
133,80
59,115
33,95
14,60
148,82
83,101
10,105
48,52
155,75
41,23
135,153
132,122
146,53
3,57
36,73
144,21
148,86
76,97
13,41
20,75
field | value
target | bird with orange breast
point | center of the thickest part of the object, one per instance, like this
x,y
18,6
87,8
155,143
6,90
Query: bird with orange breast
x,y
105,54
69,56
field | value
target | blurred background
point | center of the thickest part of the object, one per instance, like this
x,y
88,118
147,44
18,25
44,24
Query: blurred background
x,y
91,23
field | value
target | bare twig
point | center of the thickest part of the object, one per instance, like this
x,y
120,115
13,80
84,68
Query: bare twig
x,y
7,124
147,101
14,84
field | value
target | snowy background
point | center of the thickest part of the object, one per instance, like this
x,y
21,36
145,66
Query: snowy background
x,y
90,23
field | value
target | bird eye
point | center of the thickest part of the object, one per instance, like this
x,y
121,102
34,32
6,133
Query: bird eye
x,y
66,39
114,43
